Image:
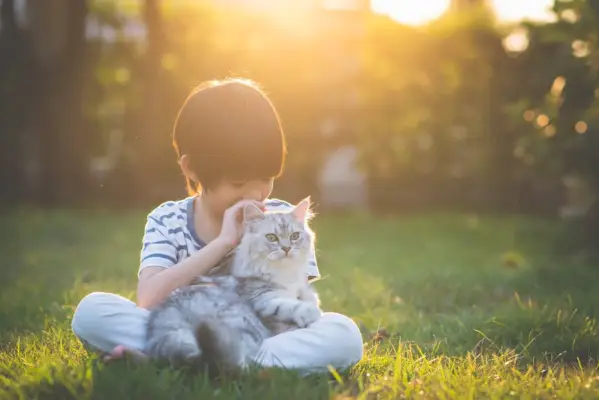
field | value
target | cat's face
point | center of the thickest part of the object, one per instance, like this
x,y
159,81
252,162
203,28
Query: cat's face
x,y
278,235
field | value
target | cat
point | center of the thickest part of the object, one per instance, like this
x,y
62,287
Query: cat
x,y
221,321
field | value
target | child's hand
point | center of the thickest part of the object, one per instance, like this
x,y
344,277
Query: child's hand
x,y
232,227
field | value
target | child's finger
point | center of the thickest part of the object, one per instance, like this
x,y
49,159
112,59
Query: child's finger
x,y
256,203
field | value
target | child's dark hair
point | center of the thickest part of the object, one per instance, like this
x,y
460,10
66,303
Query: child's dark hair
x,y
230,130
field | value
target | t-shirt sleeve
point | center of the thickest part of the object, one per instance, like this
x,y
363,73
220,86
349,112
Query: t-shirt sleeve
x,y
158,247
312,268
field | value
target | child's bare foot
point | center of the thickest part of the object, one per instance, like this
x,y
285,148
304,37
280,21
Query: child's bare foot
x,y
120,352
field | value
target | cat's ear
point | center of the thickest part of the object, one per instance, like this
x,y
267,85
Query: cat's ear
x,y
252,213
302,210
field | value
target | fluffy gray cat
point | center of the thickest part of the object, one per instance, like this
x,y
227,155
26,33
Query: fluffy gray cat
x,y
222,321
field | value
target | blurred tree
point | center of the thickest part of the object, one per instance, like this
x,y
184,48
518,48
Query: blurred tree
x,y
568,105
434,127
441,113
143,129
561,110
15,61
150,130
59,45
490,94
146,171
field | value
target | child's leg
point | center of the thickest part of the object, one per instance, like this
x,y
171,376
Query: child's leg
x,y
333,340
103,321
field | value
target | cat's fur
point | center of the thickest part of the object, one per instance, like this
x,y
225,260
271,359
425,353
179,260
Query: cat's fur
x,y
262,291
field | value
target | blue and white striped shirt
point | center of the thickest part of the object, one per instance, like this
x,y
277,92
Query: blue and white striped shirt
x,y
170,235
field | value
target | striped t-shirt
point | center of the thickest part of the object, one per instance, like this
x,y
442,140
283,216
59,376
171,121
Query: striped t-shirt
x,y
170,235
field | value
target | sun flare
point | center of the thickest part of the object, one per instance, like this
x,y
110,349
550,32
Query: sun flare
x,y
419,12
515,10
411,12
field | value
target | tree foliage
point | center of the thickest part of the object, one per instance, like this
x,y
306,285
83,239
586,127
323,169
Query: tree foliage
x,y
441,112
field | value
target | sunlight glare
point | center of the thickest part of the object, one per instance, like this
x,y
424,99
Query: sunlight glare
x,y
516,10
411,12
517,41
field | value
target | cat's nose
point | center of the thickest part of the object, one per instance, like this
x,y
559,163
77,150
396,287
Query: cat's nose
x,y
285,249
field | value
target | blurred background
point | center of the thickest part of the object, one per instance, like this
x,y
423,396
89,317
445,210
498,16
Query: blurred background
x,y
391,106
451,148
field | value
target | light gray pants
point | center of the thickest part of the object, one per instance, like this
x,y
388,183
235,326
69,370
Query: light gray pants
x,y
105,320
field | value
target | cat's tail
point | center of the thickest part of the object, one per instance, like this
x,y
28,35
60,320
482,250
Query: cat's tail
x,y
223,349
179,347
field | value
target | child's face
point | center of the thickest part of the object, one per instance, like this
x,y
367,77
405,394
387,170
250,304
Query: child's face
x,y
227,193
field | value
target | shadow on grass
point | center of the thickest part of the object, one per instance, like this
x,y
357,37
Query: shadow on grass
x,y
120,380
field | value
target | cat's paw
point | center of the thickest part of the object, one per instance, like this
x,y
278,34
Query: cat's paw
x,y
306,314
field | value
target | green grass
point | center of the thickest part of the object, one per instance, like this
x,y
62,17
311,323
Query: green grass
x,y
464,307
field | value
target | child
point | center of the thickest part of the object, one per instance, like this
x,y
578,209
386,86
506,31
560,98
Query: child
x,y
231,148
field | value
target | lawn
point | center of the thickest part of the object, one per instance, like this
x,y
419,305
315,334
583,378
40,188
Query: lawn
x,y
450,306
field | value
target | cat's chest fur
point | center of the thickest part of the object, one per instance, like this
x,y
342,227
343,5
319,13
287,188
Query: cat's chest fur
x,y
294,290
293,282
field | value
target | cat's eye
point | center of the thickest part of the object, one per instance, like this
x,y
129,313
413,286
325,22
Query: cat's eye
x,y
272,237
294,236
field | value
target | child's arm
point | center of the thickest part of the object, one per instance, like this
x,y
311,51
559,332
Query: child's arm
x,y
156,283
157,280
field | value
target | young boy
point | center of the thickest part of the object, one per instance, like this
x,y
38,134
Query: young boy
x,y
231,148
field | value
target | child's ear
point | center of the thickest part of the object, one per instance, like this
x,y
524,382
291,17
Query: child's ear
x,y
302,210
252,213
